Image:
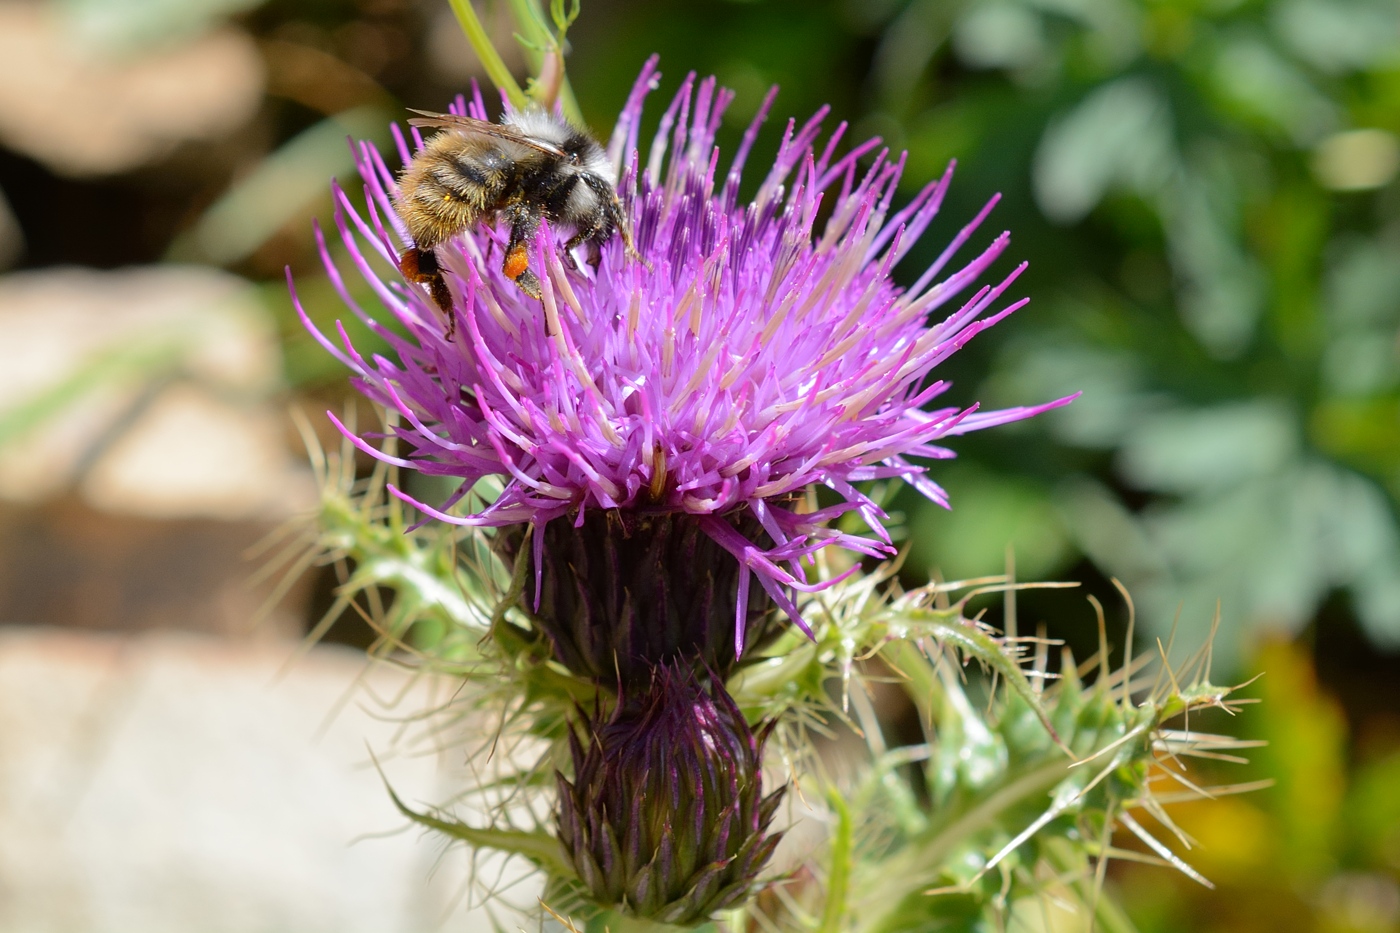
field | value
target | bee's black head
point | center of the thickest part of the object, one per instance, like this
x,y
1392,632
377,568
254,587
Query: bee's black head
x,y
579,148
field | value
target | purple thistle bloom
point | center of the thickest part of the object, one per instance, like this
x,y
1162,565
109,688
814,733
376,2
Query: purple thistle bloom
x,y
752,355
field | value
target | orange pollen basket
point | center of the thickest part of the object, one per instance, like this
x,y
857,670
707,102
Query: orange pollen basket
x,y
517,261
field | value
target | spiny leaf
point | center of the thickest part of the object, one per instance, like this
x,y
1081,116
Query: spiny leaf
x,y
540,848
987,650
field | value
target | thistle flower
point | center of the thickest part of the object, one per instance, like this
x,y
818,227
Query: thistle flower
x,y
751,355
666,816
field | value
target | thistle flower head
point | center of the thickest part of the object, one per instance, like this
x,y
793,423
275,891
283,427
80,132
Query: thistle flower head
x,y
666,815
752,353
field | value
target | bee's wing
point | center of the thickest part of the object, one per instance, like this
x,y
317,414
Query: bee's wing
x,y
452,121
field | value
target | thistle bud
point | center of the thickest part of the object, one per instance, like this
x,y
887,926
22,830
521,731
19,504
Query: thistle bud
x,y
665,817
626,591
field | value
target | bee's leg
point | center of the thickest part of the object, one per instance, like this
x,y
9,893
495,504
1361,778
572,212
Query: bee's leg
x,y
443,299
590,235
530,284
568,253
420,266
524,224
617,220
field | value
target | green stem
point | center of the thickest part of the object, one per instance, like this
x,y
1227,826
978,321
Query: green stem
x,y
542,42
1108,916
990,809
839,878
490,59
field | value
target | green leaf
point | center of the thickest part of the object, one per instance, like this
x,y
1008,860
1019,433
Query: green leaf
x,y
1118,136
538,847
1269,89
1338,35
1209,449
984,648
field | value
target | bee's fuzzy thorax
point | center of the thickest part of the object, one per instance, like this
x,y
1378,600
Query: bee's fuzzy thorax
x,y
558,131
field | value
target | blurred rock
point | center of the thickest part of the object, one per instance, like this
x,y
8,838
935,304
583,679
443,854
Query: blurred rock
x,y
176,783
82,111
147,389
64,563
191,454
143,449
65,315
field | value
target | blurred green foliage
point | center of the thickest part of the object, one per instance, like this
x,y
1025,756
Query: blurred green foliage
x,y
1219,221
1249,400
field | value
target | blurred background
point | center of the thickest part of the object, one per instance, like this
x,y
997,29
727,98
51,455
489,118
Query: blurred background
x,y
1205,189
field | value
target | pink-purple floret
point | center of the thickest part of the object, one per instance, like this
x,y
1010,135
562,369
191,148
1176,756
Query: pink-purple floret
x,y
751,356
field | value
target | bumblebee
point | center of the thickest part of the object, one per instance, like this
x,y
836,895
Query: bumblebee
x,y
533,165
